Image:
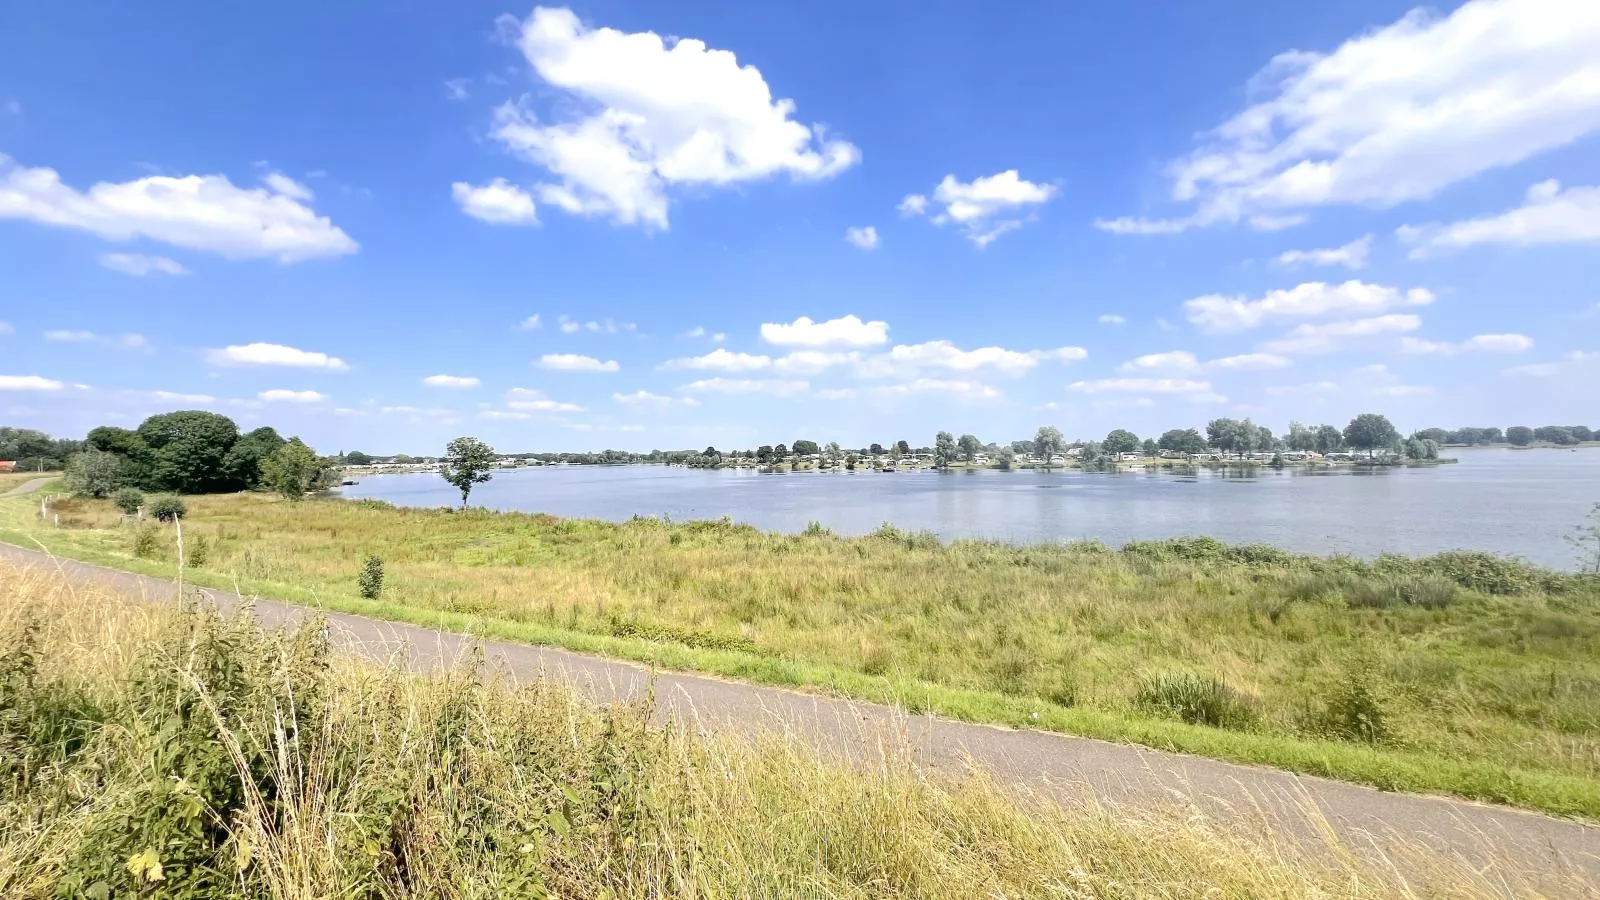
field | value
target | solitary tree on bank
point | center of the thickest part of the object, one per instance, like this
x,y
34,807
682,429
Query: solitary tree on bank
x,y
1369,431
467,461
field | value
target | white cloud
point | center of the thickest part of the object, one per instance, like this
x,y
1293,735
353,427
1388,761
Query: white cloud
x,y
1352,255
1112,319
810,362
1494,343
570,325
283,396
719,360
1310,387
175,397
1497,81
456,88
139,265
946,355
499,201
974,390
866,238
530,323
260,354
504,414
847,331
1566,364
695,332
1221,313
1184,361
198,212
771,387
29,383
1550,216
1403,390
645,398
573,362
1328,337
451,381
124,341
288,187
984,208
1141,386
654,114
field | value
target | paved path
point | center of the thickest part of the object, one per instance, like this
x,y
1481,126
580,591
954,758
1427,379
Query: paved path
x,y
28,487
1560,857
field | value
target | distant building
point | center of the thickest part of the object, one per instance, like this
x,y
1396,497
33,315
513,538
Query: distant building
x,y
8,465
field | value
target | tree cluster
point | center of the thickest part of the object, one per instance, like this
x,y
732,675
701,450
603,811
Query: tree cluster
x,y
34,450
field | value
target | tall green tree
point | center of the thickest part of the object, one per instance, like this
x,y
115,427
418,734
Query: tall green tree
x,y
469,461
1519,435
969,445
1329,439
188,451
294,470
1224,435
1371,432
1182,440
1047,441
944,449
1120,441
94,473
806,448
243,463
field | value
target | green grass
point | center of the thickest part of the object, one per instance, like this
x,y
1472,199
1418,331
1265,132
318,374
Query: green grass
x,y
147,752
1485,675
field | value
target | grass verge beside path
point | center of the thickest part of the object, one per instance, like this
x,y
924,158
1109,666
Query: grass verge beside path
x,y
1466,692
149,752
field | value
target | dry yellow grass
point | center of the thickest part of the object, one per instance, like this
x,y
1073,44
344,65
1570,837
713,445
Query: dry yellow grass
x,y
188,755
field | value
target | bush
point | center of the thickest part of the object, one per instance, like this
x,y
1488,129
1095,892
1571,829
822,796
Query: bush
x,y
168,508
128,500
198,553
370,581
146,541
1353,711
1197,700
817,529
1386,592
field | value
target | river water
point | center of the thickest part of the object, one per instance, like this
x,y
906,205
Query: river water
x,y
1514,502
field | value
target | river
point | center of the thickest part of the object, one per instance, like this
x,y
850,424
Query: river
x,y
1515,502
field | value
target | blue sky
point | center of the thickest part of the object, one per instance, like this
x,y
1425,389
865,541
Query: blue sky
x,y
746,223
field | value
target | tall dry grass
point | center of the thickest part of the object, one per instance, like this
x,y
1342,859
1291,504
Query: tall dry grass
x,y
150,752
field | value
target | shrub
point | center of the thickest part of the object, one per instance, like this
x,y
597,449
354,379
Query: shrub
x,y
370,581
817,529
198,553
128,500
1386,592
1197,700
146,541
1353,711
168,508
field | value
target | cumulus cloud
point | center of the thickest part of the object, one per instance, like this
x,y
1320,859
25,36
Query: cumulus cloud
x,y
1494,343
530,323
196,212
499,202
29,383
776,387
1498,81
261,354
451,381
639,114
1549,215
573,362
531,400
1184,361
1112,319
865,237
1567,364
845,331
569,325
1222,313
285,396
1328,337
946,355
1352,255
984,208
719,360
139,265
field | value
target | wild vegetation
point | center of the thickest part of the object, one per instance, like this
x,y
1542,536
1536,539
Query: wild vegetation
x,y
1462,673
150,752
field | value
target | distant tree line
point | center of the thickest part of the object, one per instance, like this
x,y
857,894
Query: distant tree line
x,y
34,450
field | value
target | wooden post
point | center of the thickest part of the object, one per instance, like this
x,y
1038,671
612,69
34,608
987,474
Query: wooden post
x,y
177,522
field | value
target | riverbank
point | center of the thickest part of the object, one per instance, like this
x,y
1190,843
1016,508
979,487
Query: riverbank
x,y
1460,674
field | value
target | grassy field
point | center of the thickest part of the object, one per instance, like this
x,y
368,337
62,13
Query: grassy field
x,y
1454,674
150,752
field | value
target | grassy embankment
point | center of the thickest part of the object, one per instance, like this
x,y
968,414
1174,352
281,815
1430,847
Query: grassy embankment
x,y
1463,674
9,480
148,752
